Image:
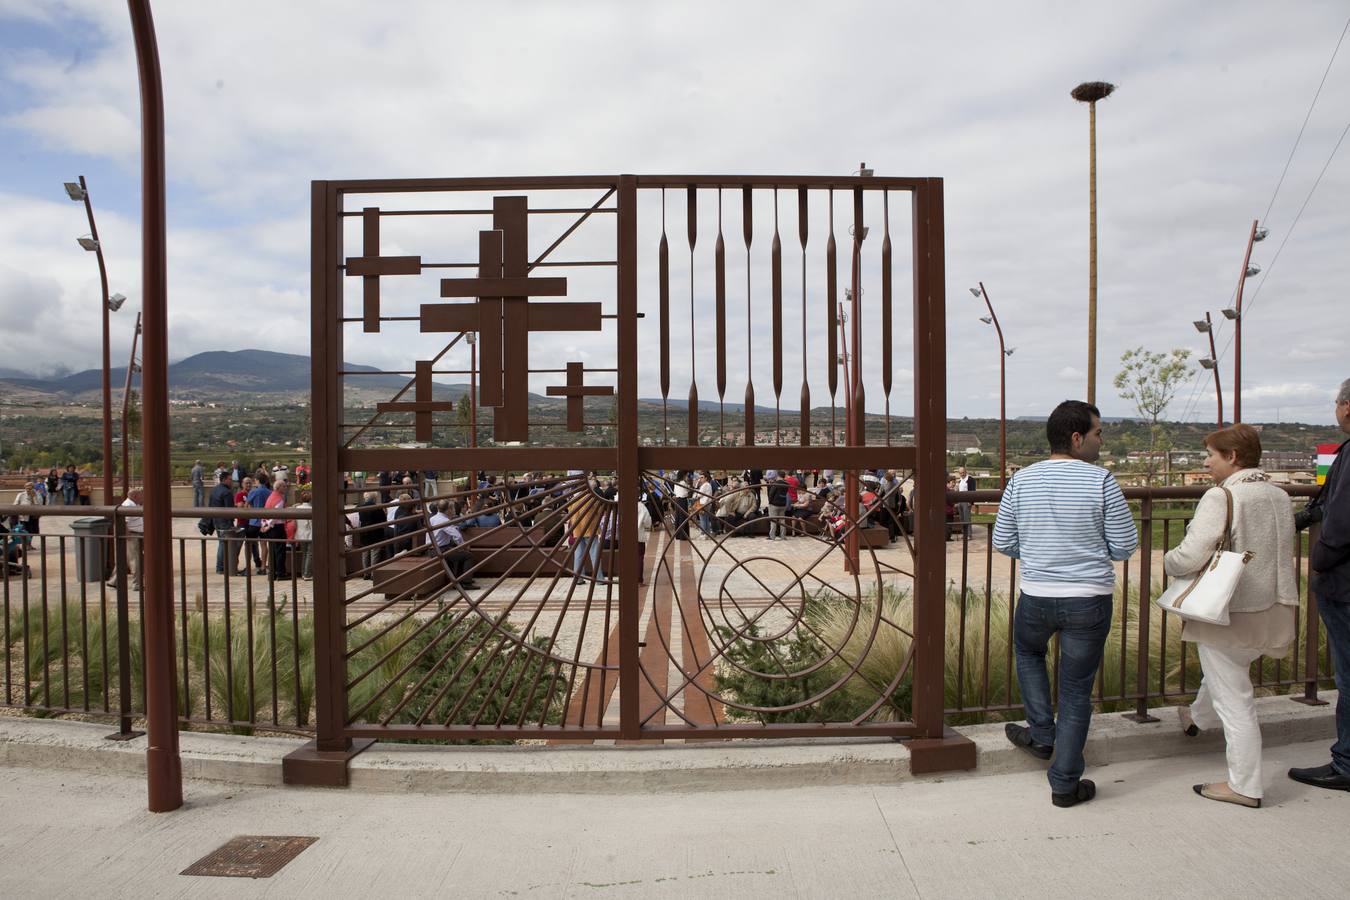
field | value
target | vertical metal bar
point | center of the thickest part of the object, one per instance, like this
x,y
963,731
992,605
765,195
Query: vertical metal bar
x,y
776,260
84,641
720,318
183,619
832,317
9,641
295,656
1311,660
1145,606
103,631
804,416
123,626
629,475
330,702
46,634
748,229
691,229
930,415
370,285
663,290
65,628
886,308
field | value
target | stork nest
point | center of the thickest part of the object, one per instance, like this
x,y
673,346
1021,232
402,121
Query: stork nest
x,y
1091,91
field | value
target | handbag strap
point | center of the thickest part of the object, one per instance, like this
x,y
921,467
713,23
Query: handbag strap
x,y
1226,543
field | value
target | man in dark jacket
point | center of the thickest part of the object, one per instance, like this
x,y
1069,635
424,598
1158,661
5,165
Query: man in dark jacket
x,y
222,495
1329,559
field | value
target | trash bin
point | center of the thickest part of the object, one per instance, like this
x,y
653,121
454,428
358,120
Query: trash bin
x,y
92,548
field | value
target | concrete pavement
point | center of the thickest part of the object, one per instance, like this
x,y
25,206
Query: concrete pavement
x,y
74,833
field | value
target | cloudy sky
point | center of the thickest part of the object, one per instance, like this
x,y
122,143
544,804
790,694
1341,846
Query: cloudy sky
x,y
263,97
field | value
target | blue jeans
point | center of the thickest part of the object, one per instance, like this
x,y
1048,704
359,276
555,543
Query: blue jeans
x,y
1336,617
587,546
1082,624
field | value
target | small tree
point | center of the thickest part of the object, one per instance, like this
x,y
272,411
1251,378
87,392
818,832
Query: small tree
x,y
1150,381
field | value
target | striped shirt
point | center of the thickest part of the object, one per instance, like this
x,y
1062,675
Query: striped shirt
x,y
1066,520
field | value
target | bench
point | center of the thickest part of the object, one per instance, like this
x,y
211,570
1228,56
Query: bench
x,y
398,576
509,550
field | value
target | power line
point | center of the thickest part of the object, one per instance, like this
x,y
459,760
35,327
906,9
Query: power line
x,y
1308,116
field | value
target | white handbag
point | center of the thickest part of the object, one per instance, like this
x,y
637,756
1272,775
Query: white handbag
x,y
1204,596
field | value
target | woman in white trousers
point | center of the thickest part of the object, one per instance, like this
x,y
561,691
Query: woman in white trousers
x,y
1261,613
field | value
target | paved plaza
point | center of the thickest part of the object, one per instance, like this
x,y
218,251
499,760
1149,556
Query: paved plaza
x,y
972,836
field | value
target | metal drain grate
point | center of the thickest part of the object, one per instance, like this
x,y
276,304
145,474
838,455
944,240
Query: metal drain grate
x,y
250,856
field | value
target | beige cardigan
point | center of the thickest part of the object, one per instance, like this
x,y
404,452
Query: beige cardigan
x,y
1263,522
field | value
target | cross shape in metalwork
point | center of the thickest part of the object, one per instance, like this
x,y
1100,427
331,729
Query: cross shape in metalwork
x,y
504,316
576,392
422,404
372,266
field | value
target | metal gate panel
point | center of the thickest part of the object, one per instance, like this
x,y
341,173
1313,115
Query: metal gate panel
x,y
567,635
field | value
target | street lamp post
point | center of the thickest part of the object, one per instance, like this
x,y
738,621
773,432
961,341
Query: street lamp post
x,y
1248,270
1003,354
132,368
1207,327
79,192
1090,92
163,764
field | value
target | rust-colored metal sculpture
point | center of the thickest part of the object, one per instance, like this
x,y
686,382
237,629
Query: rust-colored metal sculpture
x,y
519,603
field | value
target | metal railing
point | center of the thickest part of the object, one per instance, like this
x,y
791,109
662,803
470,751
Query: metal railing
x,y
73,635
1146,663
74,632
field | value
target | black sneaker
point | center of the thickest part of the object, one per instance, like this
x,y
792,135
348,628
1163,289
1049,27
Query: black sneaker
x,y
1020,737
1084,792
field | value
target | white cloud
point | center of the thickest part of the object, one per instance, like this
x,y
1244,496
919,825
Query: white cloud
x,y
1189,151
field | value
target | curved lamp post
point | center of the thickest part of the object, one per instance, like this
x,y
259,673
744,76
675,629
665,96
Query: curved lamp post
x,y
163,765
79,192
1090,92
1003,354
1206,326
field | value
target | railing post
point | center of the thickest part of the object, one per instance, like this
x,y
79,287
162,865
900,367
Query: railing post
x,y
119,547
1140,713
323,761
1312,638
627,464
938,748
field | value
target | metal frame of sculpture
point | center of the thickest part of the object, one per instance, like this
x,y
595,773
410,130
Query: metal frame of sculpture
x,y
600,648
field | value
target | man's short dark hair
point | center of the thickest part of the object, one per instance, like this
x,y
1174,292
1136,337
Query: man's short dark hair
x,y
1070,417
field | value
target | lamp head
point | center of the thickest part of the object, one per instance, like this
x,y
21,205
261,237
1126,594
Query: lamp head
x,y
1261,234
988,320
87,242
115,301
1253,269
1230,313
976,293
1207,363
1201,326
1010,351
74,191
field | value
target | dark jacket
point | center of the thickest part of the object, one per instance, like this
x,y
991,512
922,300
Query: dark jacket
x,y
1330,556
222,495
368,514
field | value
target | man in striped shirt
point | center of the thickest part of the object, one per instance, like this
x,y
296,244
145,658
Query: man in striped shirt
x,y
1066,520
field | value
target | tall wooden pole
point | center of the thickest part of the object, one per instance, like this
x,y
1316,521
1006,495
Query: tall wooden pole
x,y
1090,92
1092,254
